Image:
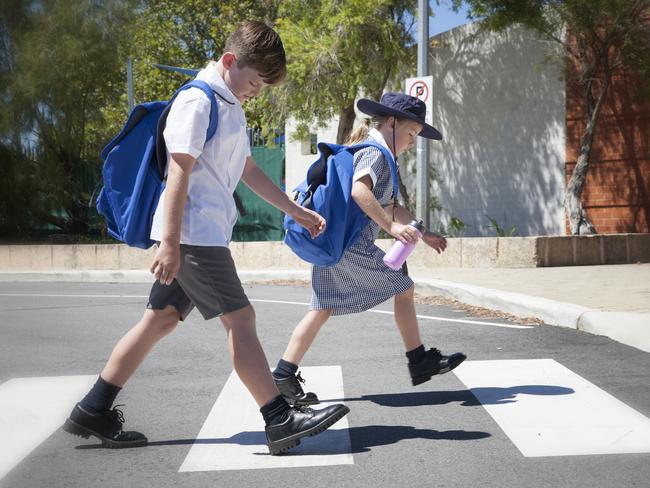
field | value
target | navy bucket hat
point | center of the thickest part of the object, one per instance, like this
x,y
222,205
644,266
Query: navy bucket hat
x,y
402,106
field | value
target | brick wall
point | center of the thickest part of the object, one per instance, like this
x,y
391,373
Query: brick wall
x,y
617,190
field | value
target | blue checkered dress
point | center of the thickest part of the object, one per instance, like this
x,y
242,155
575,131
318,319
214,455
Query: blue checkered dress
x,y
361,280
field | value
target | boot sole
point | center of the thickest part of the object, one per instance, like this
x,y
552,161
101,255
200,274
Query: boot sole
x,y
418,380
79,430
283,445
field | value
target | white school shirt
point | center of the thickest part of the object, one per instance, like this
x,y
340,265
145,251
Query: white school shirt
x,y
210,212
376,135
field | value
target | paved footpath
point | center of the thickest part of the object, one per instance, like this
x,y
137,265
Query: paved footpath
x,y
613,288
613,300
532,406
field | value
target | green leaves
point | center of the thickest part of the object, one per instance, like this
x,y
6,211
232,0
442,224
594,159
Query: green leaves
x,y
60,69
339,50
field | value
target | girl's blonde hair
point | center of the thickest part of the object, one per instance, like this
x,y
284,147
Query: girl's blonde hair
x,y
360,134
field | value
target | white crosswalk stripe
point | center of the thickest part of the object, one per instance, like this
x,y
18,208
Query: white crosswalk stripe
x,y
548,410
544,408
232,436
31,409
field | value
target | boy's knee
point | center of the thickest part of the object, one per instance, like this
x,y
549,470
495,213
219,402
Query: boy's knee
x,y
244,317
162,322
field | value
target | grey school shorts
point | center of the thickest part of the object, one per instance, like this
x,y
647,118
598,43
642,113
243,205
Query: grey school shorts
x,y
207,280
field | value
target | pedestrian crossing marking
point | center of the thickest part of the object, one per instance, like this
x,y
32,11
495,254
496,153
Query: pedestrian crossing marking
x,y
233,438
548,410
31,409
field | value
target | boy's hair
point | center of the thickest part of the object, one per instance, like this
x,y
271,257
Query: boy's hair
x,y
258,46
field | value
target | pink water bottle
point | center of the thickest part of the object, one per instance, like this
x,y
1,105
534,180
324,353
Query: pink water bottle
x,y
398,253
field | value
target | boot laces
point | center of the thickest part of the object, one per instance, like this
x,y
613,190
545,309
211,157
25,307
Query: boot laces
x,y
116,415
297,379
304,408
435,351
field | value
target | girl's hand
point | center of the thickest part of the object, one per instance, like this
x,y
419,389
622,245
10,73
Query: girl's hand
x,y
403,233
436,241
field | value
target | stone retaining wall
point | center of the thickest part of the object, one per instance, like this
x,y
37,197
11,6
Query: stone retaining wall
x,y
471,252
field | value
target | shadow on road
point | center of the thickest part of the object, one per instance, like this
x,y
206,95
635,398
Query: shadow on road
x,y
331,442
467,398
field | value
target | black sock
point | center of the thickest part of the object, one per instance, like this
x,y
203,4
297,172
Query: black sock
x,y
416,355
100,397
275,412
284,369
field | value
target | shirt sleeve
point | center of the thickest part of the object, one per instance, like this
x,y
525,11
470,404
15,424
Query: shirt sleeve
x,y
187,123
368,161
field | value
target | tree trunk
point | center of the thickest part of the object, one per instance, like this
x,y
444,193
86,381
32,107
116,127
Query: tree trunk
x,y
346,123
579,223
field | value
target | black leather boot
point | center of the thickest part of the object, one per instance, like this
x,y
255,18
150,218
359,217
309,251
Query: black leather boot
x,y
434,363
106,426
292,391
302,422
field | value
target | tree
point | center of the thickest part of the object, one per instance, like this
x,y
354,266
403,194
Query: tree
x,y
337,51
59,69
188,33
600,38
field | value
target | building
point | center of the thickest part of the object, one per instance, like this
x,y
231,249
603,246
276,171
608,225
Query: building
x,y
511,126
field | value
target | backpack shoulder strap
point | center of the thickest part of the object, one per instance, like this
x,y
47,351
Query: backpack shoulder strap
x,y
389,158
214,108
161,149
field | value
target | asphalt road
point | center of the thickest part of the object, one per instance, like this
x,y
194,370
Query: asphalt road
x,y
437,434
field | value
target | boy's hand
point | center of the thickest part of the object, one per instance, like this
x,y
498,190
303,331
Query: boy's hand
x,y
436,241
166,263
310,220
403,233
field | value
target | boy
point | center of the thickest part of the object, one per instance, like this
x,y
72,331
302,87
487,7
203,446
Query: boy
x,y
193,266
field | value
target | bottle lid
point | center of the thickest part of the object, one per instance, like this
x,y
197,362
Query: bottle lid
x,y
418,224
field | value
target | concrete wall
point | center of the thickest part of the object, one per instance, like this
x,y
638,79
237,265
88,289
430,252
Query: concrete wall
x,y
501,110
469,252
297,163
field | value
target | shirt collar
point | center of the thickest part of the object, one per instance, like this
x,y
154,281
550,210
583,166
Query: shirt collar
x,y
211,76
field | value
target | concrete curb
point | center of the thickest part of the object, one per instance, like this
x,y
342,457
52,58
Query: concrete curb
x,y
628,328
77,276
136,276
632,329
550,311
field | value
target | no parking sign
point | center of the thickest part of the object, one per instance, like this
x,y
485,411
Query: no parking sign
x,y
421,87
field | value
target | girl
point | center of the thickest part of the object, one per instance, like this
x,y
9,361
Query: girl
x,y
361,280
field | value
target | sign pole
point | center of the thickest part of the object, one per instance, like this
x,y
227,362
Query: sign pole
x,y
129,83
422,167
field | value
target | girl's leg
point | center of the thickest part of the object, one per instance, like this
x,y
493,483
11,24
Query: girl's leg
x,y
423,364
285,376
304,334
406,319
134,346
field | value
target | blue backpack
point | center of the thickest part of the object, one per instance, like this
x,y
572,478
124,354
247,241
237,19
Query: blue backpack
x,y
327,191
134,169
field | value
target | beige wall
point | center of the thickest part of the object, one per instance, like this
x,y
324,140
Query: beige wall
x,y
470,252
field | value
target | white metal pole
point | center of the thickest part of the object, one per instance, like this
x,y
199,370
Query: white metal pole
x,y
422,151
129,83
